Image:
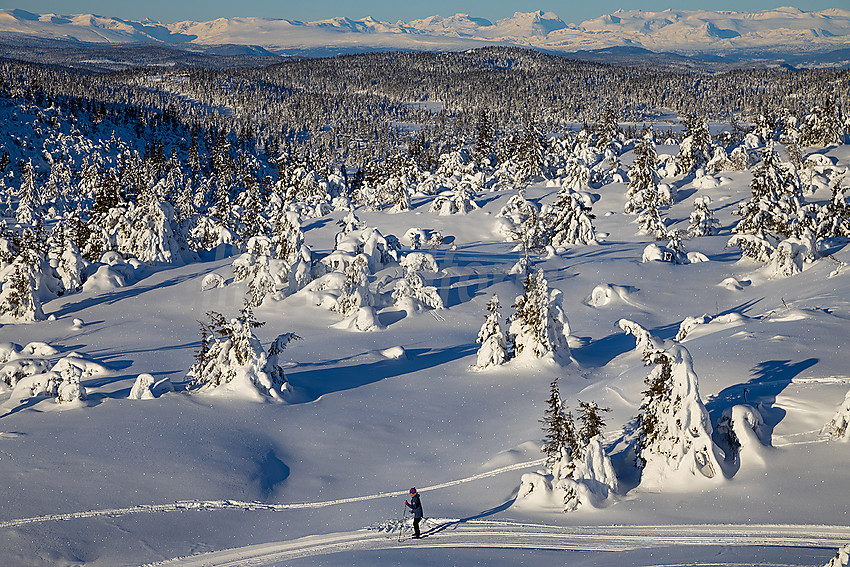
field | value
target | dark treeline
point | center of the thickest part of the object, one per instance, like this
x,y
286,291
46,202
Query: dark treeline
x,y
359,109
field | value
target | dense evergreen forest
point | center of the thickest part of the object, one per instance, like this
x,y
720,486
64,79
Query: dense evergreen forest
x,y
160,164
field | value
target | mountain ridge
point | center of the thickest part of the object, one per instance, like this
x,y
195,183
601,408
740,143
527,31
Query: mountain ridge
x,y
683,32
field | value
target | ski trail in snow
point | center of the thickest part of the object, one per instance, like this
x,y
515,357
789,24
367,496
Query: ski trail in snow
x,y
240,505
511,535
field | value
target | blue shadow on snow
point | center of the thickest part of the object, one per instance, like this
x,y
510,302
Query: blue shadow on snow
x,y
316,383
770,378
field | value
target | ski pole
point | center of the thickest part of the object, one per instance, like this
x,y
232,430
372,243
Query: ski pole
x,y
401,525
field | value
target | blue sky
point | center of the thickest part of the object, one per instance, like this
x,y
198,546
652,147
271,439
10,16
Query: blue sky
x,y
386,10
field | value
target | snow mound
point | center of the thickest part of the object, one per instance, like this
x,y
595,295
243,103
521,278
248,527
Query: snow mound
x,y
591,485
839,427
694,327
364,319
607,294
212,281
394,352
87,366
743,434
147,388
732,284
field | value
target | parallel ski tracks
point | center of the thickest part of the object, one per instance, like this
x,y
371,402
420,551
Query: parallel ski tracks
x,y
449,533
469,533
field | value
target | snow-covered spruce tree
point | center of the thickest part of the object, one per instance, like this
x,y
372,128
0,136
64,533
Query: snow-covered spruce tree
x,y
774,210
254,268
484,153
149,234
460,202
28,198
643,175
702,219
232,360
643,197
70,389
576,173
776,199
561,444
590,420
570,221
494,345
70,266
274,364
355,291
539,327
411,293
579,471
19,298
608,131
531,153
839,425
833,219
822,126
695,151
673,427
525,226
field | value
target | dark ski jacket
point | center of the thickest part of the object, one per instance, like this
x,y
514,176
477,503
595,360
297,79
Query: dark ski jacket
x,y
415,506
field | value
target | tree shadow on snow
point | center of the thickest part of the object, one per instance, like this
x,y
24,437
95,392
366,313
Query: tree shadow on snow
x,y
114,296
313,384
270,472
600,352
770,378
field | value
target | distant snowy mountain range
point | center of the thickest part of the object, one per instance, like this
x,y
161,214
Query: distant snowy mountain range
x,y
735,35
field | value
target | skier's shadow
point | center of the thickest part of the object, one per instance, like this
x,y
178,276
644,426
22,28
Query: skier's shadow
x,y
454,523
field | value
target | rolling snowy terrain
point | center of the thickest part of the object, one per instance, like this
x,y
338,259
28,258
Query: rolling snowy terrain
x,y
137,427
781,33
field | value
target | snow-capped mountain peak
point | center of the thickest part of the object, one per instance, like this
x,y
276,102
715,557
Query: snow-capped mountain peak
x,y
779,30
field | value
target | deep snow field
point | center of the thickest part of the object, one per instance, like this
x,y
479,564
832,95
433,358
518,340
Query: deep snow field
x,y
322,480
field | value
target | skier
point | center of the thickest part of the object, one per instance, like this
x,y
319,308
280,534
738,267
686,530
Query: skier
x,y
415,506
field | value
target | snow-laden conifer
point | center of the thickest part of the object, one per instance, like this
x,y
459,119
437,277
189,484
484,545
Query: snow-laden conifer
x,y
494,346
459,202
539,326
822,126
578,470
410,292
774,208
354,292
833,219
570,221
643,175
839,425
702,219
695,151
673,428
19,299
70,389
232,361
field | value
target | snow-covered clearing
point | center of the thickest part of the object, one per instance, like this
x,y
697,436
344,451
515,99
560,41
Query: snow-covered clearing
x,y
316,474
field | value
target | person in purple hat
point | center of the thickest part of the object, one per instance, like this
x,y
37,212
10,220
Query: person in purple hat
x,y
415,506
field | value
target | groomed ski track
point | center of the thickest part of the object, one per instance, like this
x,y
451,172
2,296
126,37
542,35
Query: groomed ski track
x,y
509,535
471,533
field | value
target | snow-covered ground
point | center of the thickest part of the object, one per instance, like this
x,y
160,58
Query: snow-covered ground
x,y
205,479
